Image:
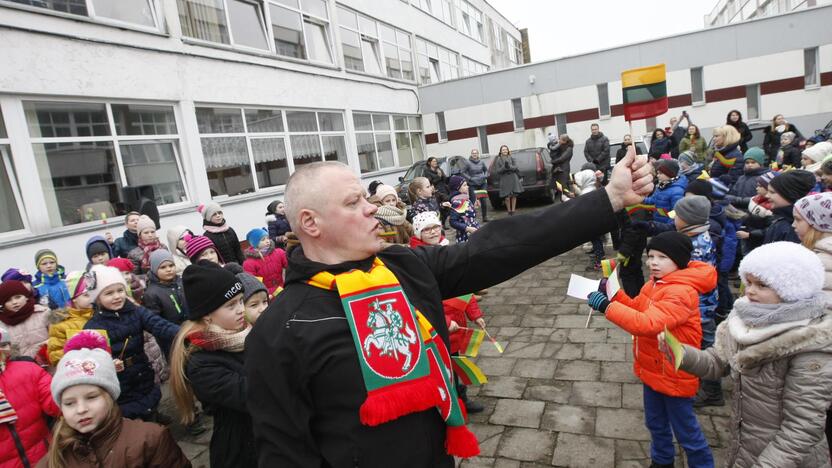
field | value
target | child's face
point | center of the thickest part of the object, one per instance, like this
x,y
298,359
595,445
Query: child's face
x,y
775,198
132,222
662,177
128,277
149,236
15,303
801,227
210,255
180,244
762,191
280,209
431,235
759,292
166,271
751,165
826,179
425,191
660,264
217,217
231,315
100,258
806,161
463,188
255,305
677,221
85,407
113,297
265,243
389,200
48,266
82,302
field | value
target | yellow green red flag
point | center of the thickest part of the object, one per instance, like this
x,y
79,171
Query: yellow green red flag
x,y
645,92
467,371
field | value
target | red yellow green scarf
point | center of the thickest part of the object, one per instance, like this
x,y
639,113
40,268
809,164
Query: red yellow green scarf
x,y
405,365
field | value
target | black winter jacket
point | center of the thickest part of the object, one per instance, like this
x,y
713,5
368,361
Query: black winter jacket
x,y
167,300
278,226
597,151
219,381
781,228
771,140
746,186
227,243
440,181
305,382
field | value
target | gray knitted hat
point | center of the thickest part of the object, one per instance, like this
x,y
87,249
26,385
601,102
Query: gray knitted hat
x,y
693,209
251,285
86,361
157,257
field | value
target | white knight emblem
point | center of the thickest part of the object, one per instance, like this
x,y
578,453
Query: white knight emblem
x,y
389,332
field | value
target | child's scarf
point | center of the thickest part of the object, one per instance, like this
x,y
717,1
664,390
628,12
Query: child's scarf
x,y
405,365
13,318
216,338
7,414
147,249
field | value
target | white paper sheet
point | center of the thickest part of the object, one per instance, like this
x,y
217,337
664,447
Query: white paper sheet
x,y
613,284
580,287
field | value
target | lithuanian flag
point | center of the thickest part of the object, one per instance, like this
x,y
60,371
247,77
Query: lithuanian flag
x,y
645,92
467,371
470,342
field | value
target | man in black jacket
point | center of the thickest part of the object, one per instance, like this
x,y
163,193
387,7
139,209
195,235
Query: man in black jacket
x,y
597,149
304,377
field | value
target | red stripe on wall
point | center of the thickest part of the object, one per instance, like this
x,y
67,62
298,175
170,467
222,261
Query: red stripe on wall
x,y
462,133
782,86
501,127
582,115
826,79
431,138
680,100
539,122
725,94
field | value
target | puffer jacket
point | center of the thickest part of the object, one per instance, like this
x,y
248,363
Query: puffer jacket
x,y
63,324
475,172
124,244
227,244
781,228
670,303
268,267
823,248
31,334
659,147
746,185
26,387
132,444
93,240
664,199
136,255
597,151
53,287
139,393
728,164
166,299
781,391
460,312
704,250
278,226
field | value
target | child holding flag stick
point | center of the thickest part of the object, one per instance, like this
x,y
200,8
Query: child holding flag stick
x,y
457,313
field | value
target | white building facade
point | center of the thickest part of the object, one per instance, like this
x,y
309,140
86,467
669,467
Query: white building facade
x,y
709,73
104,103
734,11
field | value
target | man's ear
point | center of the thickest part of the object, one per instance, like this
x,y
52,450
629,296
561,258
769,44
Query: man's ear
x,y
308,221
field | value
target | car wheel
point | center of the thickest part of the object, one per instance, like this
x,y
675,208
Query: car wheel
x,y
496,202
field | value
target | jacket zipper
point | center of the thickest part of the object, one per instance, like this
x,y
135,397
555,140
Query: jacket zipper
x,y
21,451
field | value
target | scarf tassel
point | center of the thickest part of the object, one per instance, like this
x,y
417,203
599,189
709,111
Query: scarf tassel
x,y
393,401
461,442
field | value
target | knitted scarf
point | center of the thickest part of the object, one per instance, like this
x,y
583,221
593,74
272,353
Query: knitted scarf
x,y
216,338
695,229
13,318
7,414
405,364
147,249
215,228
756,315
391,215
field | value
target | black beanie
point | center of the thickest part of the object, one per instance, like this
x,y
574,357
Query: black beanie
x,y
207,287
97,247
793,185
676,246
700,187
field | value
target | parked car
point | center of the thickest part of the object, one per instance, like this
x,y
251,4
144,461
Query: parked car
x,y
535,171
450,165
614,147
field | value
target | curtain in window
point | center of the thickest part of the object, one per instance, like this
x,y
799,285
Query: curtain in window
x,y
204,19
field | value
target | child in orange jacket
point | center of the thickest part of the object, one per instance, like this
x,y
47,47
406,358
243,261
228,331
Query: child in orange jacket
x,y
670,300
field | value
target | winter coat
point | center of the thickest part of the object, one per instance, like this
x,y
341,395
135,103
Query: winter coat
x,y
670,303
53,287
134,444
510,184
136,255
92,240
124,244
823,249
693,172
561,158
422,205
699,148
227,244
728,165
746,184
439,180
305,385
463,216
31,334
166,299
622,152
461,315
781,228
724,234
26,387
745,134
704,250
219,381
278,226
771,140
660,146
597,151
475,172
791,155
268,267
139,393
585,181
64,323
664,199
781,391
179,258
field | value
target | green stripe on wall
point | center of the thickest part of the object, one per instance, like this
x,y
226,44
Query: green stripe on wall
x,y
645,92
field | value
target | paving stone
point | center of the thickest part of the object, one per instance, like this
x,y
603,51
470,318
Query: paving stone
x,y
629,450
520,298
722,425
557,392
494,366
604,352
570,351
538,321
507,332
504,387
566,418
604,394
520,413
577,451
488,435
632,396
616,335
708,428
535,368
621,372
624,424
191,450
524,350
562,309
477,462
506,463
587,335
546,299
526,444
578,370
571,321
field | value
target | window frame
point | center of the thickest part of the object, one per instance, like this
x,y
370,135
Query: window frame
x,y
471,21
517,114
435,62
603,100
752,91
378,42
156,9
441,127
560,124
304,18
7,160
811,72
697,77
482,138
392,133
471,67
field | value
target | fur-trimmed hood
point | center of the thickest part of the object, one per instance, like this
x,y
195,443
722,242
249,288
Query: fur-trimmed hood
x,y
814,336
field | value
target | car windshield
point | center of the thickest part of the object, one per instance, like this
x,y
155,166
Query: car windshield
x,y
414,172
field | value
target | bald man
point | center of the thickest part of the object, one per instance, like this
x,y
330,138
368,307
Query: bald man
x,y
318,364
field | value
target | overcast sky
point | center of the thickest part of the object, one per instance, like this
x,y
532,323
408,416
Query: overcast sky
x,y
558,28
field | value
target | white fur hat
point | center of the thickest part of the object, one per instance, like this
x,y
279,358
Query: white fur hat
x,y
101,276
819,151
424,220
793,271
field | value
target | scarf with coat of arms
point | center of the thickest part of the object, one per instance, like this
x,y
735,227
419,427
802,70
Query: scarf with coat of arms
x,y
405,364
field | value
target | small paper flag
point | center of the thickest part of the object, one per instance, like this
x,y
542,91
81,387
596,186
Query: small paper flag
x,y
481,193
607,266
471,341
460,207
494,342
468,372
675,348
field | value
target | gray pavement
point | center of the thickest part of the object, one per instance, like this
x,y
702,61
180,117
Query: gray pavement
x,y
561,394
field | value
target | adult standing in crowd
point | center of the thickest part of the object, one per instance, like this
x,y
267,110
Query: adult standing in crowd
x,y
694,142
676,132
130,239
774,132
439,180
625,145
307,384
734,119
510,183
560,153
476,173
597,150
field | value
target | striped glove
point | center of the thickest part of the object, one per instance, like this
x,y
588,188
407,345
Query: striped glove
x,y
598,301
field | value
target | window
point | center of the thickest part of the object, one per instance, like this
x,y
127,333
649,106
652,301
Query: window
x,y
603,100
560,122
364,40
439,9
269,143
517,109
375,136
9,190
136,12
300,29
470,20
752,95
99,160
234,22
472,67
440,123
435,63
811,74
497,35
482,136
697,88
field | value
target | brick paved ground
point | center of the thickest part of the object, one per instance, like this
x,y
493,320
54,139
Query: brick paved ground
x,y
560,395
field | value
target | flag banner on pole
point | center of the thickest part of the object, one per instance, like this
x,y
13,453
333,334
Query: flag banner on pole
x,y
645,92
467,371
471,341
481,194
